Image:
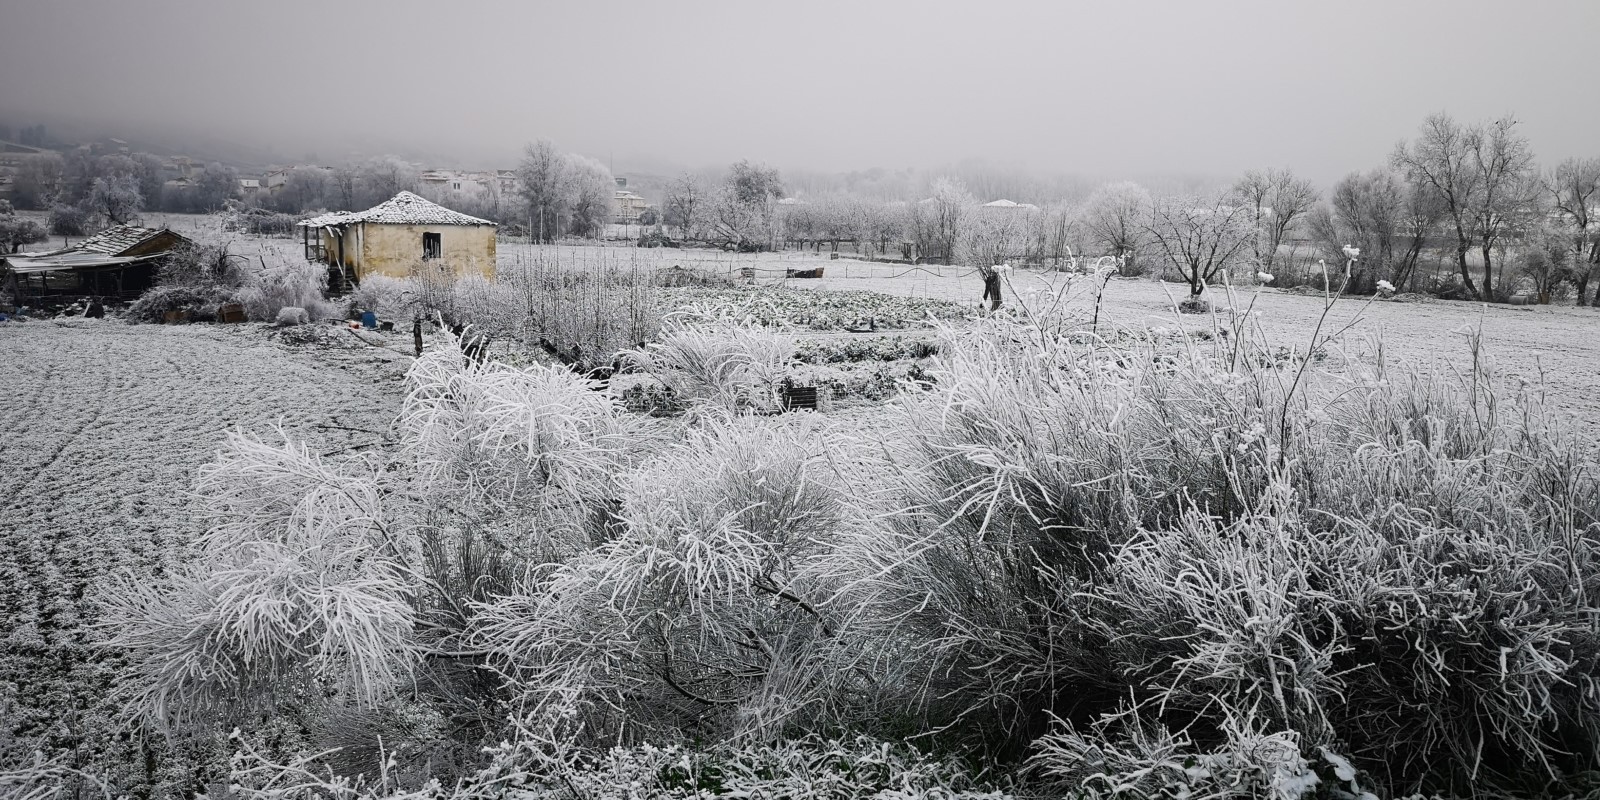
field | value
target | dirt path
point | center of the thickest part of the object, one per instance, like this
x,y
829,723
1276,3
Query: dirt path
x,y
102,428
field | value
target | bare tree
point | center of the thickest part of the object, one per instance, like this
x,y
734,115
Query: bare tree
x,y
38,180
1480,174
1386,218
1200,239
591,193
1115,218
744,209
384,177
1503,163
1276,199
541,180
116,198
684,205
952,205
1573,189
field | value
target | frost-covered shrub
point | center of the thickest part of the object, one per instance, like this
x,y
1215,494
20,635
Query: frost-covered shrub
x,y
290,284
1393,569
529,457
66,220
293,583
385,296
154,305
710,609
733,368
587,312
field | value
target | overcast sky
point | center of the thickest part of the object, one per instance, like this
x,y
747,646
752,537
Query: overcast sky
x,y
1105,88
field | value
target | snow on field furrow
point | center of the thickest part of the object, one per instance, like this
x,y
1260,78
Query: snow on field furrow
x,y
100,441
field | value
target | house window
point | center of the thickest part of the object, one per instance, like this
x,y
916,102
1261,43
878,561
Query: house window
x,y
458,186
431,247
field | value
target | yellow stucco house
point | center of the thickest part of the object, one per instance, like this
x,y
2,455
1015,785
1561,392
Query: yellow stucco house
x,y
397,238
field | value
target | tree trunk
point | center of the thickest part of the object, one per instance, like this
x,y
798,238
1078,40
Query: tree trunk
x,y
991,289
1466,275
1582,285
1488,273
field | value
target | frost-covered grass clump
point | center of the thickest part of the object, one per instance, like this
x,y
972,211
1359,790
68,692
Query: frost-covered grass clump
x,y
1161,568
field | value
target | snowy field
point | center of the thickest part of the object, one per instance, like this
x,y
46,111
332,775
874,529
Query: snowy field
x,y
1556,344
104,427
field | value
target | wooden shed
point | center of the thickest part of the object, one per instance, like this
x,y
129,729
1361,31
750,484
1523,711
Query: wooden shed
x,y
119,262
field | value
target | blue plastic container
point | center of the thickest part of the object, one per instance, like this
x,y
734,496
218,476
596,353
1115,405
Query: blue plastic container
x,y
369,319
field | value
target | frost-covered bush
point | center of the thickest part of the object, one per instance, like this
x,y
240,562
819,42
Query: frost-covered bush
x,y
732,368
154,305
1393,569
290,284
709,610
586,312
294,584
1104,565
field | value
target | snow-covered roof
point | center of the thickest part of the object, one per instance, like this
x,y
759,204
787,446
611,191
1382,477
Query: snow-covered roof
x,y
68,261
404,208
1008,204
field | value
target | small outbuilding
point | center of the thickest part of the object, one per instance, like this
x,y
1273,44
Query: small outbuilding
x,y
119,262
397,238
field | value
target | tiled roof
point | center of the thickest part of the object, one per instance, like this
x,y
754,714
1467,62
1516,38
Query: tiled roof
x,y
404,208
112,241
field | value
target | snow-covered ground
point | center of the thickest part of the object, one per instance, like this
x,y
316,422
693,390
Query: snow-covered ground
x,y
103,427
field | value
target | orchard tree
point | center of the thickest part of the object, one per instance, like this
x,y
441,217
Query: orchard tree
x,y
384,177
744,208
1115,219
1573,190
591,192
16,232
147,168
685,205
304,188
1200,238
1547,258
1276,198
942,217
217,185
115,198
542,181
38,181
342,187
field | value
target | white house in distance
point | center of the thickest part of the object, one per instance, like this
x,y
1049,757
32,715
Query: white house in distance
x,y
626,207
1008,204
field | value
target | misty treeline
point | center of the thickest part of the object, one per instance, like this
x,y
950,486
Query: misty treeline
x,y
1461,210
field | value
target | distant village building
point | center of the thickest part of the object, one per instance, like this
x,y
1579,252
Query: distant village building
x,y
397,238
14,155
626,207
117,262
275,179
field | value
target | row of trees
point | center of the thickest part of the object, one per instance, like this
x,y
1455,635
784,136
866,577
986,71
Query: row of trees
x,y
116,187
739,213
1469,193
